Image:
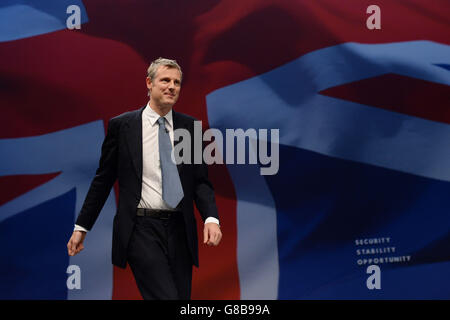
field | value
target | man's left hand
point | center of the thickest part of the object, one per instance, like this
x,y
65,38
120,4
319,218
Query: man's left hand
x,y
212,234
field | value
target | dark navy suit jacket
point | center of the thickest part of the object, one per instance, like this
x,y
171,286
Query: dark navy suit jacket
x,y
121,159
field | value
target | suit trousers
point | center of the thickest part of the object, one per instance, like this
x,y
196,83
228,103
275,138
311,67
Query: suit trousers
x,y
159,258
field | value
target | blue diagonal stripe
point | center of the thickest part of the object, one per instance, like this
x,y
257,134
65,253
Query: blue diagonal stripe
x,y
26,18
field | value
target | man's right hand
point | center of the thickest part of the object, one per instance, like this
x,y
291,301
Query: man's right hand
x,y
75,244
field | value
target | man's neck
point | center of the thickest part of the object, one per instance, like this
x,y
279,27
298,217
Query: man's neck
x,y
161,110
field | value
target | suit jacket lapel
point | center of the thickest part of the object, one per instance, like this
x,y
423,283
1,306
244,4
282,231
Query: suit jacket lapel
x,y
134,140
177,123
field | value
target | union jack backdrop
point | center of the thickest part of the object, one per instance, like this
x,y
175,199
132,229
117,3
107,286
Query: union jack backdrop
x,y
364,141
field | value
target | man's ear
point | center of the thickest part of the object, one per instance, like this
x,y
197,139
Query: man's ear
x,y
149,83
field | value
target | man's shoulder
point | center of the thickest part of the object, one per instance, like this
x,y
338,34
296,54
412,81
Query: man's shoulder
x,y
184,117
126,115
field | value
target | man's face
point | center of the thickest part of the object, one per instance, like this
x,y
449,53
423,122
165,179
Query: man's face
x,y
165,87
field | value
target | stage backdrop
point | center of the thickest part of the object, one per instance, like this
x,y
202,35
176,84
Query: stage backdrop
x,y
359,208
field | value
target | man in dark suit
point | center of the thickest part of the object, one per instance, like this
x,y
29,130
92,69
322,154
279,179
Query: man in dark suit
x,y
154,228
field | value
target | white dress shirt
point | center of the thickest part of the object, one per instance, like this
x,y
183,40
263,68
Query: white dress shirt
x,y
151,194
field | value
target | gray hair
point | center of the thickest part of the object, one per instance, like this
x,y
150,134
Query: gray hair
x,y
153,68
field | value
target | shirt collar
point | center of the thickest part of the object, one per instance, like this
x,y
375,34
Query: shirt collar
x,y
153,117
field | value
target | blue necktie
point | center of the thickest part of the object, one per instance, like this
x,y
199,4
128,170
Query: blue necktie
x,y
172,191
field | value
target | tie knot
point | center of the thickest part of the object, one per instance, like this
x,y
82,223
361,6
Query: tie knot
x,y
161,121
